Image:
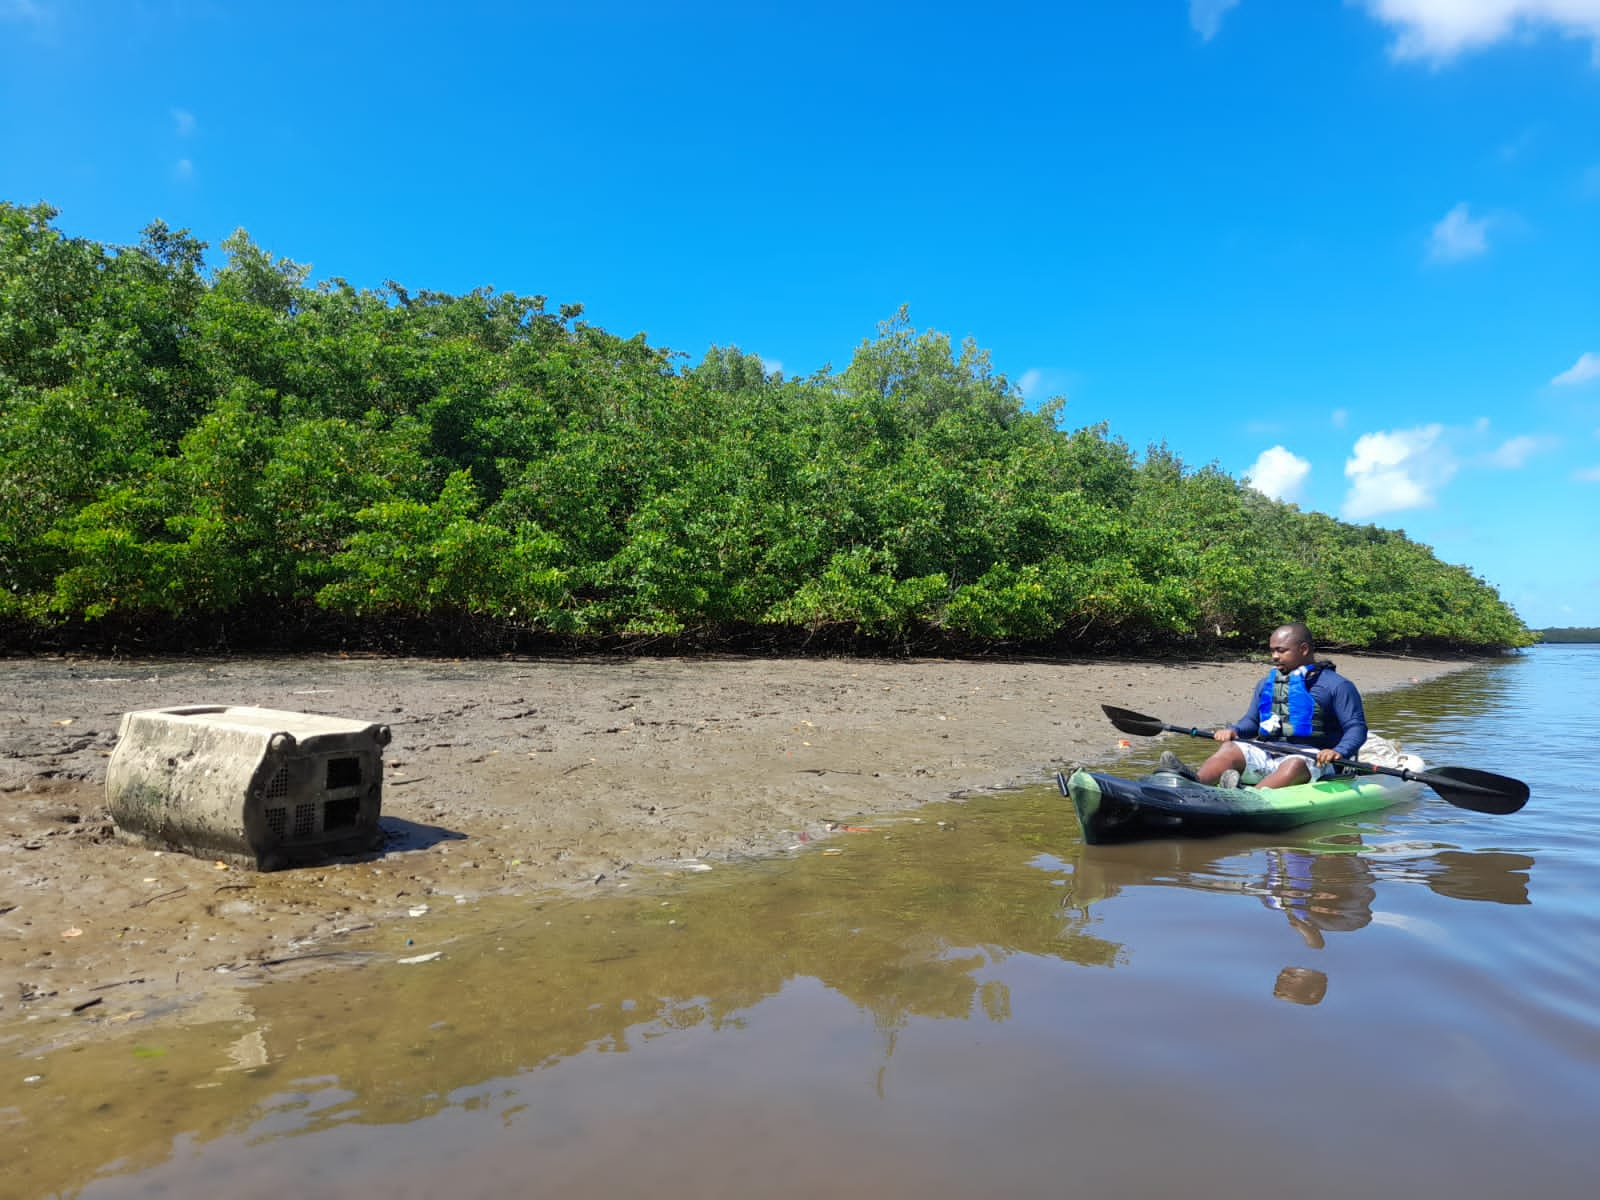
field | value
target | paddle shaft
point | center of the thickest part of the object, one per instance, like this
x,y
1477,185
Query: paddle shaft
x,y
1281,749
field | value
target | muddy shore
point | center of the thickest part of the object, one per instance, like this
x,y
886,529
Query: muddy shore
x,y
511,777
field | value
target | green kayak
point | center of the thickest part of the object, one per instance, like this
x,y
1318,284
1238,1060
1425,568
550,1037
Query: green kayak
x,y
1167,805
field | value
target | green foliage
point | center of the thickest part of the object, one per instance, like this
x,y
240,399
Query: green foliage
x,y
429,558
177,443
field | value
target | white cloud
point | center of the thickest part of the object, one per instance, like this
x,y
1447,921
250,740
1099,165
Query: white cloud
x,y
1206,16
22,10
36,20
183,169
1339,418
1588,475
1457,236
1439,30
183,121
772,366
1586,368
1396,470
1515,452
1519,147
1038,384
1279,473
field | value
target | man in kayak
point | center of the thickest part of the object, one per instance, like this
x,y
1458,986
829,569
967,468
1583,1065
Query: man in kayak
x,y
1302,701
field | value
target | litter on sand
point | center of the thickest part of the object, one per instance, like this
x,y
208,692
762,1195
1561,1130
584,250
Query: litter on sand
x,y
421,958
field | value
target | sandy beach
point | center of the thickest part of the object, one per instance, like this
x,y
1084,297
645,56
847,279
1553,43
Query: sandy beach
x,y
514,777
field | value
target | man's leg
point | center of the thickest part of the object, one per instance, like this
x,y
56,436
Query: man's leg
x,y
1291,769
1226,757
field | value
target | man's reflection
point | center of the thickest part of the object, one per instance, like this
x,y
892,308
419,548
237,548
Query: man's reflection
x,y
1319,892
1324,885
1301,985
1333,893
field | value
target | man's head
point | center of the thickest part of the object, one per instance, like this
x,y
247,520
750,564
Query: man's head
x,y
1290,647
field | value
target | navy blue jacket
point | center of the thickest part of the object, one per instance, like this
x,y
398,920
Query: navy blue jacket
x,y
1344,719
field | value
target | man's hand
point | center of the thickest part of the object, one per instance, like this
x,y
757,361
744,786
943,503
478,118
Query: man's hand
x,y
1225,734
1324,757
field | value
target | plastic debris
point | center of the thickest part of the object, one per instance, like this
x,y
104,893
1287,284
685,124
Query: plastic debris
x,y
421,958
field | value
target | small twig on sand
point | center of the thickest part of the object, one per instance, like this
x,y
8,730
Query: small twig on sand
x,y
158,896
289,958
119,983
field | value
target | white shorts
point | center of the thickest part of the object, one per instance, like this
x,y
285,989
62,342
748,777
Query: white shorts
x,y
1258,764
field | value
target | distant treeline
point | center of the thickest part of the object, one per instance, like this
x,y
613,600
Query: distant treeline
x,y
230,452
1569,635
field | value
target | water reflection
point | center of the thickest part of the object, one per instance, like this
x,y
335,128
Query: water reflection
x,y
1319,893
1321,884
905,927
1300,985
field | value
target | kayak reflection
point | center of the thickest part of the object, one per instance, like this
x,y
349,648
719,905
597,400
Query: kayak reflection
x,y
1322,885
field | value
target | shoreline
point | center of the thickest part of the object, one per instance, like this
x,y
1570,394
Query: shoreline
x,y
513,777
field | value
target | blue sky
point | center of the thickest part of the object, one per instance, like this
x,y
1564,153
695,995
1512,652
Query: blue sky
x,y
1350,248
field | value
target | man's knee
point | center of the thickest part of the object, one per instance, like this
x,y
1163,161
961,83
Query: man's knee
x,y
1294,770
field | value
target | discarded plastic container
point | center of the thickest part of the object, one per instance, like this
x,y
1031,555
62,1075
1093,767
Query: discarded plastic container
x,y
254,787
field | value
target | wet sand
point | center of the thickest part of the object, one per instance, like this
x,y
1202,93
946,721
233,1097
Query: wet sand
x,y
512,777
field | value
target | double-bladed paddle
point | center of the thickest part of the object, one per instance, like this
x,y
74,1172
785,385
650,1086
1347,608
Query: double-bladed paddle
x,y
1481,791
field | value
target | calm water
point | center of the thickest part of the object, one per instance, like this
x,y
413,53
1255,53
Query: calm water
x,y
1405,1004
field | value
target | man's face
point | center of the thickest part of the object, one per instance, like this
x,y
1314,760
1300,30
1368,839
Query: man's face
x,y
1287,653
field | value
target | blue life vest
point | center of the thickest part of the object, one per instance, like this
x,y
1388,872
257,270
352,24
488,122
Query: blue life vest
x,y
1298,715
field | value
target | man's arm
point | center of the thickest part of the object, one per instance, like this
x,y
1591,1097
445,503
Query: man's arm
x,y
1249,725
1344,701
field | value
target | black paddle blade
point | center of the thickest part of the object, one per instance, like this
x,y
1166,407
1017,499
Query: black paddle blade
x,y
1131,722
1480,791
